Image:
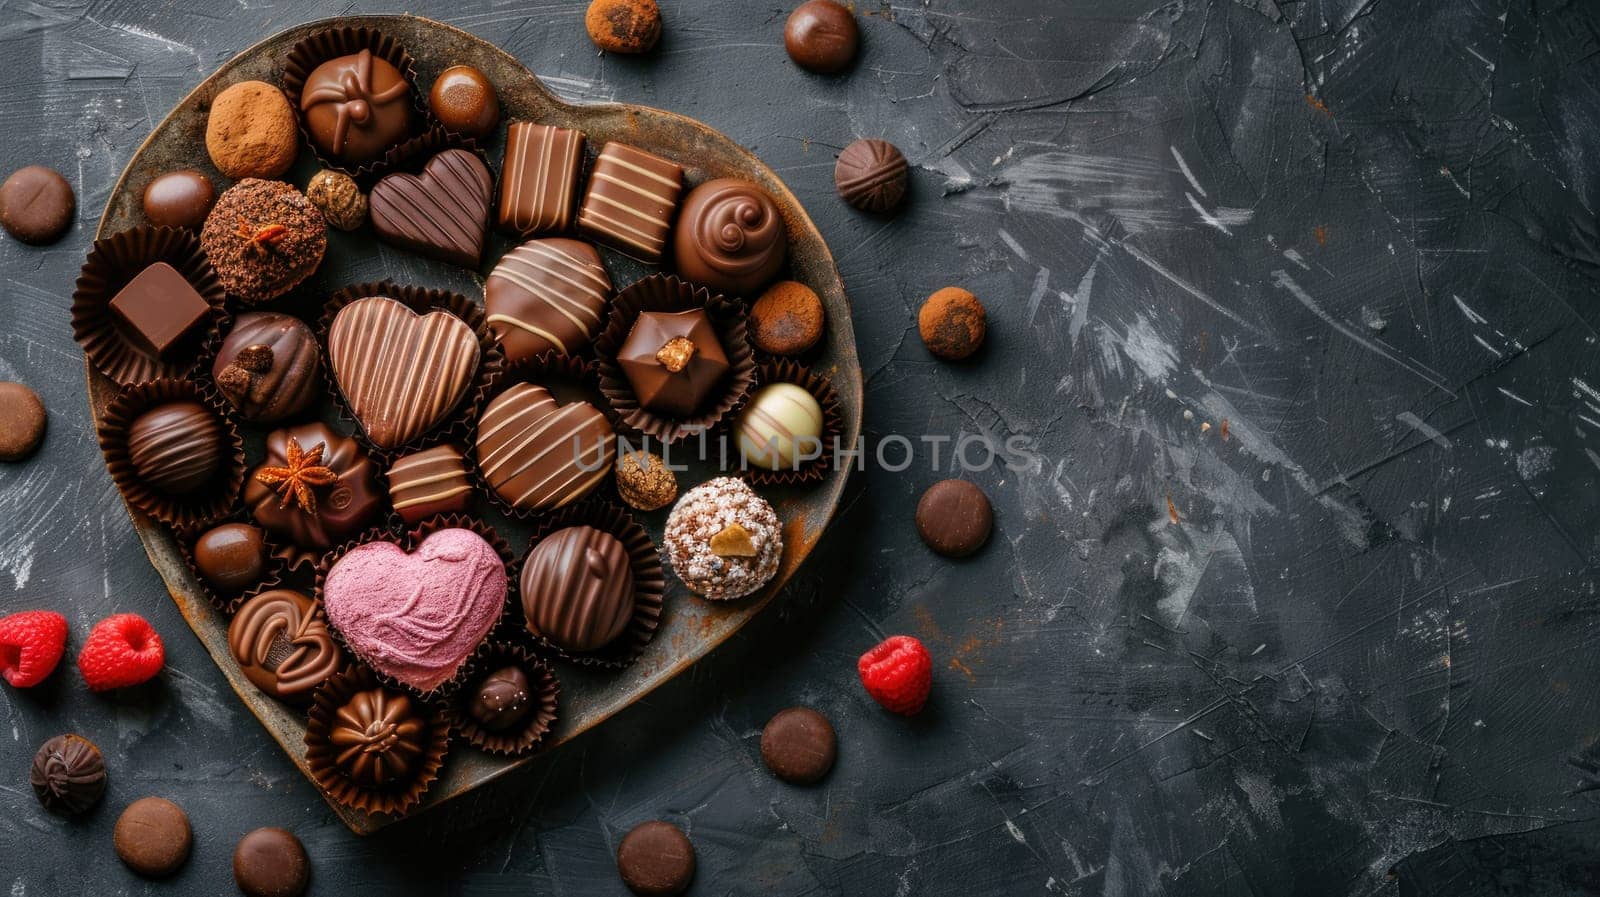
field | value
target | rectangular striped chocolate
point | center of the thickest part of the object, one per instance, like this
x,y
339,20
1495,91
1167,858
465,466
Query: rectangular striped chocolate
x,y
432,481
632,198
539,183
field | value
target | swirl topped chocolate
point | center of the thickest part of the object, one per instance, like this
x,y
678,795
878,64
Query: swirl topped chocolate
x,y
547,295
281,642
729,237
631,200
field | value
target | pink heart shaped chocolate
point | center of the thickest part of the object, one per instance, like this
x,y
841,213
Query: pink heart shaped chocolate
x,y
417,617
442,213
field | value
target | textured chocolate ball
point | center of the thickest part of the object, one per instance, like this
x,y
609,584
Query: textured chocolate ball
x,y
251,131
953,323
339,197
464,101
872,175
178,447
624,26
153,837
232,557
656,859
37,205
787,319
179,199
821,36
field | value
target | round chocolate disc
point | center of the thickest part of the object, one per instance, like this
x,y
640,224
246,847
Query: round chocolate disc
x,y
656,860
37,205
821,36
798,745
153,837
271,862
954,517
179,199
22,421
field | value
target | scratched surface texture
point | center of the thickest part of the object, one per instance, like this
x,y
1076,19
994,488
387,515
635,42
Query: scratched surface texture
x,y
1293,587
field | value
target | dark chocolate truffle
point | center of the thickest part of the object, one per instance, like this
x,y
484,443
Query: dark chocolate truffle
x,y
464,101
547,295
68,775
232,557
356,107
268,366
502,700
280,640
263,238
821,36
954,517
22,421
37,205
179,199
577,588
178,447
153,837
378,738
871,175
953,323
271,862
673,361
340,497
624,26
787,319
799,745
656,860
251,131
730,237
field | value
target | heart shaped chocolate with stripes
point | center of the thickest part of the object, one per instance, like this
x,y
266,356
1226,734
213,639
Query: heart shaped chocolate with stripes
x,y
401,373
442,213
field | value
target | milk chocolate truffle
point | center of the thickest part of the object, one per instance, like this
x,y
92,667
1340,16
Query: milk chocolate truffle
x,y
280,640
463,100
723,540
952,323
871,175
177,448
68,775
954,518
624,26
730,237
251,131
799,745
37,205
153,837
821,36
271,862
538,455
577,588
644,481
356,107
432,481
547,295
264,238
339,197
316,487
502,700
378,738
780,428
656,860
269,366
787,319
231,557
22,421
179,199
673,361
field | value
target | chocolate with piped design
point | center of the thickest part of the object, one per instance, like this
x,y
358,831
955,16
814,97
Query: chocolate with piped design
x,y
401,373
871,175
631,200
68,775
281,642
378,738
432,481
577,588
539,181
729,237
356,106
442,213
547,295
538,455
178,447
269,367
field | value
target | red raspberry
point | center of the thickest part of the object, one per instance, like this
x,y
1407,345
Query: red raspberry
x,y
121,650
31,644
898,673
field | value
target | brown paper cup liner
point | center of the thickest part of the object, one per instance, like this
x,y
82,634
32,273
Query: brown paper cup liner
x,y
546,693
305,56
224,602
663,292
409,540
113,262
397,798
209,503
458,425
649,582
821,389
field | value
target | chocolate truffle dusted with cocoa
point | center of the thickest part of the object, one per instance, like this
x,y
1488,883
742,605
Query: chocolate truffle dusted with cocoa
x,y
251,131
577,588
68,775
730,237
463,100
673,361
356,107
871,175
269,366
787,319
723,540
179,199
231,557
952,323
280,640
315,488
624,26
821,36
178,447
263,238
37,205
547,295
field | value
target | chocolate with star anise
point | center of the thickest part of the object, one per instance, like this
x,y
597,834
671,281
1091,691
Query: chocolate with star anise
x,y
316,487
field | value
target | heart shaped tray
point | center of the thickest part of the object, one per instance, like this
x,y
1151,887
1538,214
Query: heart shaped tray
x,y
690,627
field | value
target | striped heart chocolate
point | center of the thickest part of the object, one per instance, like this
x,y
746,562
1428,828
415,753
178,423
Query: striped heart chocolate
x,y
442,213
401,373
538,455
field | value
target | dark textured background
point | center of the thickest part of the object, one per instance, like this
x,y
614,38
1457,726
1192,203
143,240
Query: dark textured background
x,y
1355,238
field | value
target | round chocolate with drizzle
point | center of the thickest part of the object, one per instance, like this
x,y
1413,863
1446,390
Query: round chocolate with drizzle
x,y
316,487
356,107
378,738
730,237
547,295
68,775
268,366
177,447
871,175
281,642
577,588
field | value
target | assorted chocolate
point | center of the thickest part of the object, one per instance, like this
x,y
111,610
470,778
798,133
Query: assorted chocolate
x,y
281,642
339,198
68,775
251,131
503,700
624,26
539,179
269,366
271,862
577,588
37,205
442,213
872,175
153,837
656,859
730,237
799,746
315,489
430,482
952,323
178,447
780,427
787,319
264,238
673,360
22,421
821,36
537,454
356,107
644,481
378,738
158,309
954,518
463,100
232,557
179,199
723,540
547,295
631,201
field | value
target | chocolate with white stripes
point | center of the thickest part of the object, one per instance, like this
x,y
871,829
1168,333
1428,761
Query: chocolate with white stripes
x,y
632,199
401,373
432,481
547,295
539,181
442,213
537,455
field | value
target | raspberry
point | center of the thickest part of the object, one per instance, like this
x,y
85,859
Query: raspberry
x,y
31,644
121,650
898,673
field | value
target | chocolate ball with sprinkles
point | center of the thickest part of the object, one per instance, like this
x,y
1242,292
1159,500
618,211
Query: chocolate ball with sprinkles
x,y
264,238
723,540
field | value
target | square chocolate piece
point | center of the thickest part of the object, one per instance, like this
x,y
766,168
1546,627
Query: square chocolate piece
x,y
158,308
539,182
632,198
